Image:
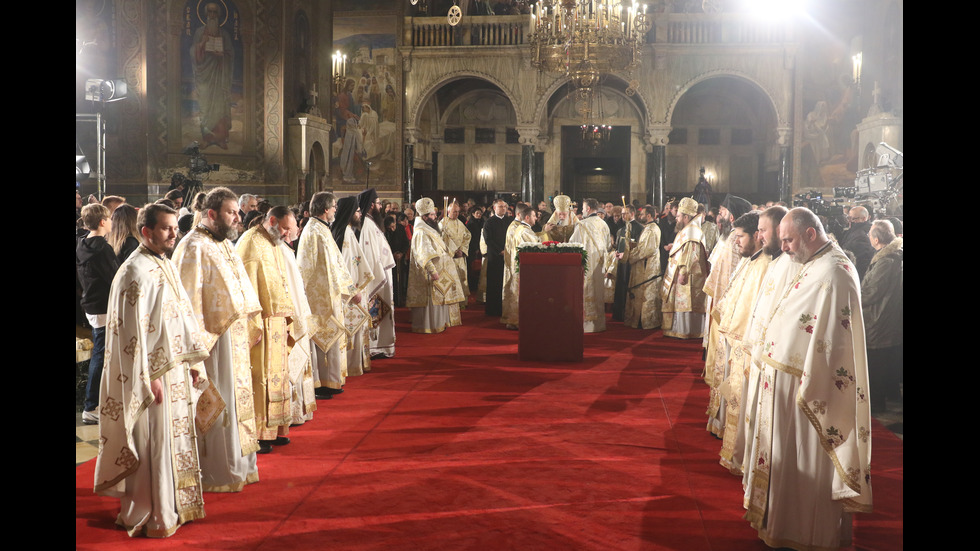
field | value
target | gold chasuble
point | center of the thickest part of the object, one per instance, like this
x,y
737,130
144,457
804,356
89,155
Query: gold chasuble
x,y
594,234
457,238
812,437
266,269
430,256
643,300
723,260
686,257
147,451
223,299
732,314
328,283
518,232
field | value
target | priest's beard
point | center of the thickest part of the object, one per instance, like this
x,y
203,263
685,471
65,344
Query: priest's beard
x,y
275,234
772,249
724,228
679,225
802,253
355,224
227,231
432,224
379,219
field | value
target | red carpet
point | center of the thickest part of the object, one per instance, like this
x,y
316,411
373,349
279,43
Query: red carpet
x,y
457,444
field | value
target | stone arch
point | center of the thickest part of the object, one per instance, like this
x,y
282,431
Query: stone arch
x,y
686,87
614,82
415,112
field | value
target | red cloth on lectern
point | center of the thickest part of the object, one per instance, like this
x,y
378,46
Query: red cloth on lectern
x,y
551,311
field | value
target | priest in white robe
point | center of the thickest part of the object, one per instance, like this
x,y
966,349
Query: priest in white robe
x,y
329,288
434,290
357,316
594,235
148,454
380,294
810,466
223,299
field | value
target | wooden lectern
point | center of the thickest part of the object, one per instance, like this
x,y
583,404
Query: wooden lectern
x,y
551,311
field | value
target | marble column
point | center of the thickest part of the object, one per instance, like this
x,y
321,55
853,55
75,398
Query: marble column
x,y
411,138
656,176
784,135
527,137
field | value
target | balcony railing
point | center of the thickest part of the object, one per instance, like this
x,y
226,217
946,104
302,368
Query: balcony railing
x,y
483,30
668,28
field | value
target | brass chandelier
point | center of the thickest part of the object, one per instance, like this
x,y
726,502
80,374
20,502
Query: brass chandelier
x,y
585,40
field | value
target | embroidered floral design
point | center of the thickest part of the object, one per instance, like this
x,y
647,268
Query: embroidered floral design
x,y
861,394
846,315
769,346
834,437
806,322
843,378
864,434
819,406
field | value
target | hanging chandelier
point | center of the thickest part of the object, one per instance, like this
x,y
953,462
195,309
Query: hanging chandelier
x,y
584,39
594,134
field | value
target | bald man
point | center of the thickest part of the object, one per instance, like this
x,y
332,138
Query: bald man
x,y
856,240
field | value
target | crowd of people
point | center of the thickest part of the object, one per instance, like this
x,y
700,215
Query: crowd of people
x,y
235,316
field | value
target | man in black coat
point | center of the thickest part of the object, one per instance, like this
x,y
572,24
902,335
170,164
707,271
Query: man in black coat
x,y
856,239
495,235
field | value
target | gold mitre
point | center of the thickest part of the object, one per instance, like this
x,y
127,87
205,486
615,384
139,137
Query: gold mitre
x,y
563,203
424,206
688,206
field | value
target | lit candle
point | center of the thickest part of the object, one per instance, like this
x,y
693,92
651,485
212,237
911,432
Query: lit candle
x,y
624,200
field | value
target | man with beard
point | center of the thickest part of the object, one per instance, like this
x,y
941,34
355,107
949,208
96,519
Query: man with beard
x,y
457,239
213,60
357,317
722,262
380,260
148,454
274,332
810,464
683,285
593,233
643,288
520,231
731,314
739,306
434,290
562,221
223,299
495,237
329,288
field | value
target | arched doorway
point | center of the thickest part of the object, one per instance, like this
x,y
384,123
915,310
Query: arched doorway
x,y
468,144
727,125
580,166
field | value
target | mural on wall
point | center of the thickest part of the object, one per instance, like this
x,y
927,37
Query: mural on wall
x,y
365,142
212,76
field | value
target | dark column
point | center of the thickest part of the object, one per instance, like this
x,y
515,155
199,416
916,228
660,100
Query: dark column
x,y
527,173
785,191
656,174
409,173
